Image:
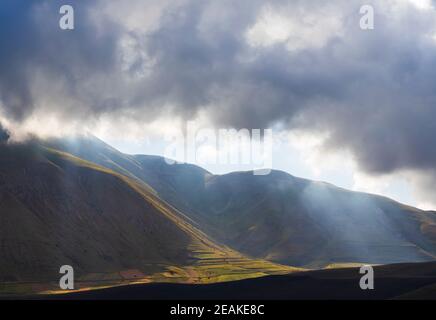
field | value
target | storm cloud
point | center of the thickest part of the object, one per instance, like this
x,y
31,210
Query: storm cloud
x,y
303,65
40,63
4,135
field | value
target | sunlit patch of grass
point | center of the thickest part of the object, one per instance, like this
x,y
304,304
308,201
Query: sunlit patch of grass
x,y
342,265
211,270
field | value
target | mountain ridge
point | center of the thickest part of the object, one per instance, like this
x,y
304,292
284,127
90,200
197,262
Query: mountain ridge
x,y
261,216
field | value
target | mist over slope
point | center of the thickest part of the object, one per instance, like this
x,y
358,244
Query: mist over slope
x,y
280,217
57,210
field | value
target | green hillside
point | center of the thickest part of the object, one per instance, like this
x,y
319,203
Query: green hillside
x,y
58,209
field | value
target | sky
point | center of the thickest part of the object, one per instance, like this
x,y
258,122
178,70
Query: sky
x,y
349,106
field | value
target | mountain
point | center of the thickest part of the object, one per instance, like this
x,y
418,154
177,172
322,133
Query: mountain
x,y
279,217
121,218
298,222
57,209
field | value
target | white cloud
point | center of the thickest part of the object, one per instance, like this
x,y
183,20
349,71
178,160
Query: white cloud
x,y
422,4
138,15
296,26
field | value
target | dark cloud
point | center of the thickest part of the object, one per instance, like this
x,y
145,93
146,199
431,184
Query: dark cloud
x,y
33,45
372,91
4,134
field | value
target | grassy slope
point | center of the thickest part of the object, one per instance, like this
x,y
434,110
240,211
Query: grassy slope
x,y
59,209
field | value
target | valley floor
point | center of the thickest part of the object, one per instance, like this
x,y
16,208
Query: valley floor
x,y
209,268
399,281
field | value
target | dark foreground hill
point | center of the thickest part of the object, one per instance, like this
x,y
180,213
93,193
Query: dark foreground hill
x,y
402,281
